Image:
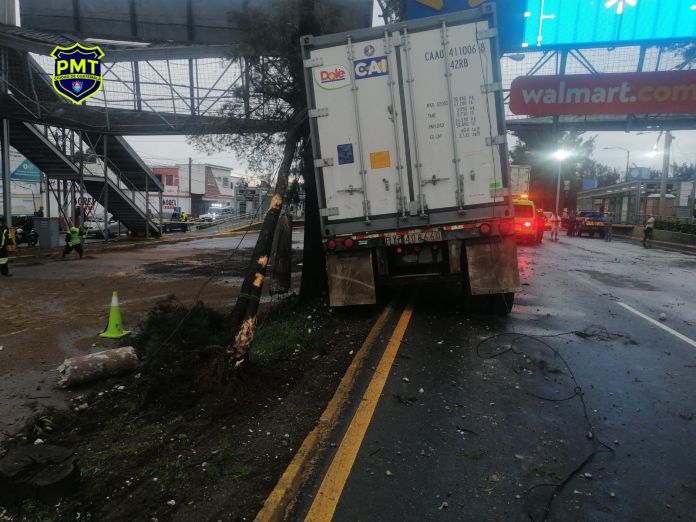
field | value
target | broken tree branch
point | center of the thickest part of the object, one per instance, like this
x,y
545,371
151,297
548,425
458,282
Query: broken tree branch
x,y
243,319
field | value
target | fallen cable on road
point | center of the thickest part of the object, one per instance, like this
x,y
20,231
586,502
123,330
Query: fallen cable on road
x,y
598,445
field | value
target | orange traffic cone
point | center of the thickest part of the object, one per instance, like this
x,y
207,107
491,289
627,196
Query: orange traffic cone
x,y
114,330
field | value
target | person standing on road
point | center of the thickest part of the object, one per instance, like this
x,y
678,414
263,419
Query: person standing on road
x,y
648,230
572,223
5,241
555,222
608,229
73,241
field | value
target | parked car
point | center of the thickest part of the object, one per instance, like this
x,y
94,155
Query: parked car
x,y
95,228
525,220
590,222
217,214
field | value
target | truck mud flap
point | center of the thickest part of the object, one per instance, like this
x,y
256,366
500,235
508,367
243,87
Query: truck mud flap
x,y
351,279
492,265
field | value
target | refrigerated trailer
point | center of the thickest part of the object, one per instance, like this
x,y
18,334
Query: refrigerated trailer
x,y
410,157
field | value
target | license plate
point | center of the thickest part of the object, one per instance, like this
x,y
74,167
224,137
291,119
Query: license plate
x,y
413,238
595,224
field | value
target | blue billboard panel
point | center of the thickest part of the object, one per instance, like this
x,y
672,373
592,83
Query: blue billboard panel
x,y
26,171
510,16
587,22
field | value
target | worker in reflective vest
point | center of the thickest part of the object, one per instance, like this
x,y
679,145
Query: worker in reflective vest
x,y
5,241
73,241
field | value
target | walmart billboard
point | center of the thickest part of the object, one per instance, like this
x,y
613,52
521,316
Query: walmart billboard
x,y
532,24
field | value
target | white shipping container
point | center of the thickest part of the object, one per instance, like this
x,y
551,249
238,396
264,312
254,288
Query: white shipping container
x,y
519,179
407,124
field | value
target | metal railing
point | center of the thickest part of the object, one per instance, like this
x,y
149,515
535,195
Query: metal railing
x,y
64,139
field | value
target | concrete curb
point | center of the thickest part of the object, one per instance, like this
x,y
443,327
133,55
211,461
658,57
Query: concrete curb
x,y
281,500
665,244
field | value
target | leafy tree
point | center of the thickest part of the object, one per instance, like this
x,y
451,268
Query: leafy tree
x,y
684,172
392,10
536,148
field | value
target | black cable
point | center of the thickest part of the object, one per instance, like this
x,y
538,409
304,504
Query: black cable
x,y
577,392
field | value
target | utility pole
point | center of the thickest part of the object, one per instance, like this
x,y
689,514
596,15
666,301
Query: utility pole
x,y
190,211
665,173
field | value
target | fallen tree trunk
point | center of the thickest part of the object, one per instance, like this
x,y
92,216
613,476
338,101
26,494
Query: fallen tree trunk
x,y
97,366
243,318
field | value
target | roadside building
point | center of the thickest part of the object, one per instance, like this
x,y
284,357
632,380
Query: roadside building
x,y
209,188
631,201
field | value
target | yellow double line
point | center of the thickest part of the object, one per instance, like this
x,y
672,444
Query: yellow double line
x,y
329,493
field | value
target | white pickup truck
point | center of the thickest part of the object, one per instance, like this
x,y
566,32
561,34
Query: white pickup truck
x,y
410,156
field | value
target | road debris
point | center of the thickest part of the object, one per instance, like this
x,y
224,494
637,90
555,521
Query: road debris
x,y
97,366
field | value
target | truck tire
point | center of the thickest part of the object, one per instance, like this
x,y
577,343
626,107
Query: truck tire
x,y
493,304
501,304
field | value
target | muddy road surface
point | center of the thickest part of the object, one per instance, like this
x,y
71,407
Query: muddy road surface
x,y
54,309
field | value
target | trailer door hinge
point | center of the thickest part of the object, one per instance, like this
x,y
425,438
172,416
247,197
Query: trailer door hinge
x,y
352,190
323,162
319,113
487,33
491,87
313,62
434,180
492,141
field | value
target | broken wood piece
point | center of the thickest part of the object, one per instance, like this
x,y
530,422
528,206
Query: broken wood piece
x,y
97,366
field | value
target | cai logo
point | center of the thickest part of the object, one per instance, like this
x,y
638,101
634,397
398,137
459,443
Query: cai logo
x,y
332,77
370,67
77,74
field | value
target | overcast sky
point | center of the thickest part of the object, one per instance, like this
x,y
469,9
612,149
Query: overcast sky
x,y
174,149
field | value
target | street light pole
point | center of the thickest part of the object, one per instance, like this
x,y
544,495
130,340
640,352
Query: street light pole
x,y
558,183
665,173
628,159
560,155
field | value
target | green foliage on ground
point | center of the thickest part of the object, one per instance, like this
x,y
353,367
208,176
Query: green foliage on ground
x,y
277,339
176,341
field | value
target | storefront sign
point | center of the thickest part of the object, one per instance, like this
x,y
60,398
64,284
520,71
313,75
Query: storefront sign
x,y
672,92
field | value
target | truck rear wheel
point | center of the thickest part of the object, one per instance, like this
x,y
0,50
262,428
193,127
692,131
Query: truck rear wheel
x,y
501,304
493,304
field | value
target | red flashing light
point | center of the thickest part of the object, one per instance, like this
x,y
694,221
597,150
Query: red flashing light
x,y
399,250
331,244
348,242
485,229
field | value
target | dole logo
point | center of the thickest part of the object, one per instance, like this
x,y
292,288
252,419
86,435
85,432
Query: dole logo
x,y
371,67
332,77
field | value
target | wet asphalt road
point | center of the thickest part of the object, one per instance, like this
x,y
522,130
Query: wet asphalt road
x,y
462,434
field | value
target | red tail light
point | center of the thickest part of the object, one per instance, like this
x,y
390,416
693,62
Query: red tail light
x,y
527,224
348,242
485,229
399,250
331,244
